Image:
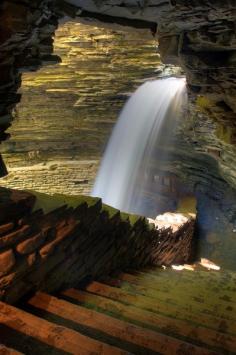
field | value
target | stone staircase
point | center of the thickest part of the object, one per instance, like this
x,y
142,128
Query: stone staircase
x,y
151,312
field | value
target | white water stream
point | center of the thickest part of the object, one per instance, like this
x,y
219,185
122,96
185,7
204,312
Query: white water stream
x,y
133,139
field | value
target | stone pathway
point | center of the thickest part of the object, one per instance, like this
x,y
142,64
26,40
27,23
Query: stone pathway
x,y
155,311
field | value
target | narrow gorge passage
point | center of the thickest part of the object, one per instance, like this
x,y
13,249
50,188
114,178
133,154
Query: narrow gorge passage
x,y
132,101
100,68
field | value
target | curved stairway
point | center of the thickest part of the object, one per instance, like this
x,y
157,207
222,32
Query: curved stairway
x,y
151,312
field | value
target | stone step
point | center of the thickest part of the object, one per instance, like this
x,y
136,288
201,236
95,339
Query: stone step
x,y
56,336
199,274
5,228
4,350
14,237
124,331
163,279
203,287
14,204
160,307
184,294
175,327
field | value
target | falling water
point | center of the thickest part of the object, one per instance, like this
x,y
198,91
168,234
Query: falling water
x,y
153,106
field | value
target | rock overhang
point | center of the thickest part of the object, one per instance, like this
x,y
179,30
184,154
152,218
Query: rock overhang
x,y
198,36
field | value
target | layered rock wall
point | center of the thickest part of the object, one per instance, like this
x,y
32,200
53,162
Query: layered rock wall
x,y
26,29
67,110
198,35
70,177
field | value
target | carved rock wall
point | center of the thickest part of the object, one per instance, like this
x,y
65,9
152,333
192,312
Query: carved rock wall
x,y
77,238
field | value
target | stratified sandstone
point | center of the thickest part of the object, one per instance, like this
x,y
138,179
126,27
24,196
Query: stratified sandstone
x,y
197,35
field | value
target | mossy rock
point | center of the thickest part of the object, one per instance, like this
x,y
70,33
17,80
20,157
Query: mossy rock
x,y
111,211
203,103
50,202
125,217
225,133
187,205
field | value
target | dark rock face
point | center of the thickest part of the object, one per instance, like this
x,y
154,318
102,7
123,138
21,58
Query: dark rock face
x,y
204,41
178,178
26,30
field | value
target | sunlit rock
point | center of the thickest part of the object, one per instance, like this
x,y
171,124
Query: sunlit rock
x,y
170,220
209,264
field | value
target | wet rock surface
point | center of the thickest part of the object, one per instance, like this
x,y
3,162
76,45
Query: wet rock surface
x,y
169,220
199,36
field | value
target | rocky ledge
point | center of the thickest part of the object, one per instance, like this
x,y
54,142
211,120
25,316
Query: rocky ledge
x,y
175,221
52,242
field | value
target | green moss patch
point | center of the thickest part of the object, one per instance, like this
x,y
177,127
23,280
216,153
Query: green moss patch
x,y
50,202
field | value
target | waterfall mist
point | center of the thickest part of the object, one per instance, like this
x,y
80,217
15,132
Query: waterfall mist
x,y
147,119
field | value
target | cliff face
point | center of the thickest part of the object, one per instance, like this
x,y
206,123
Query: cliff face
x,y
197,35
200,37
67,110
26,30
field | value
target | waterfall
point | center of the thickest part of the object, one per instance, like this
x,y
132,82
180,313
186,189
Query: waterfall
x,y
142,123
